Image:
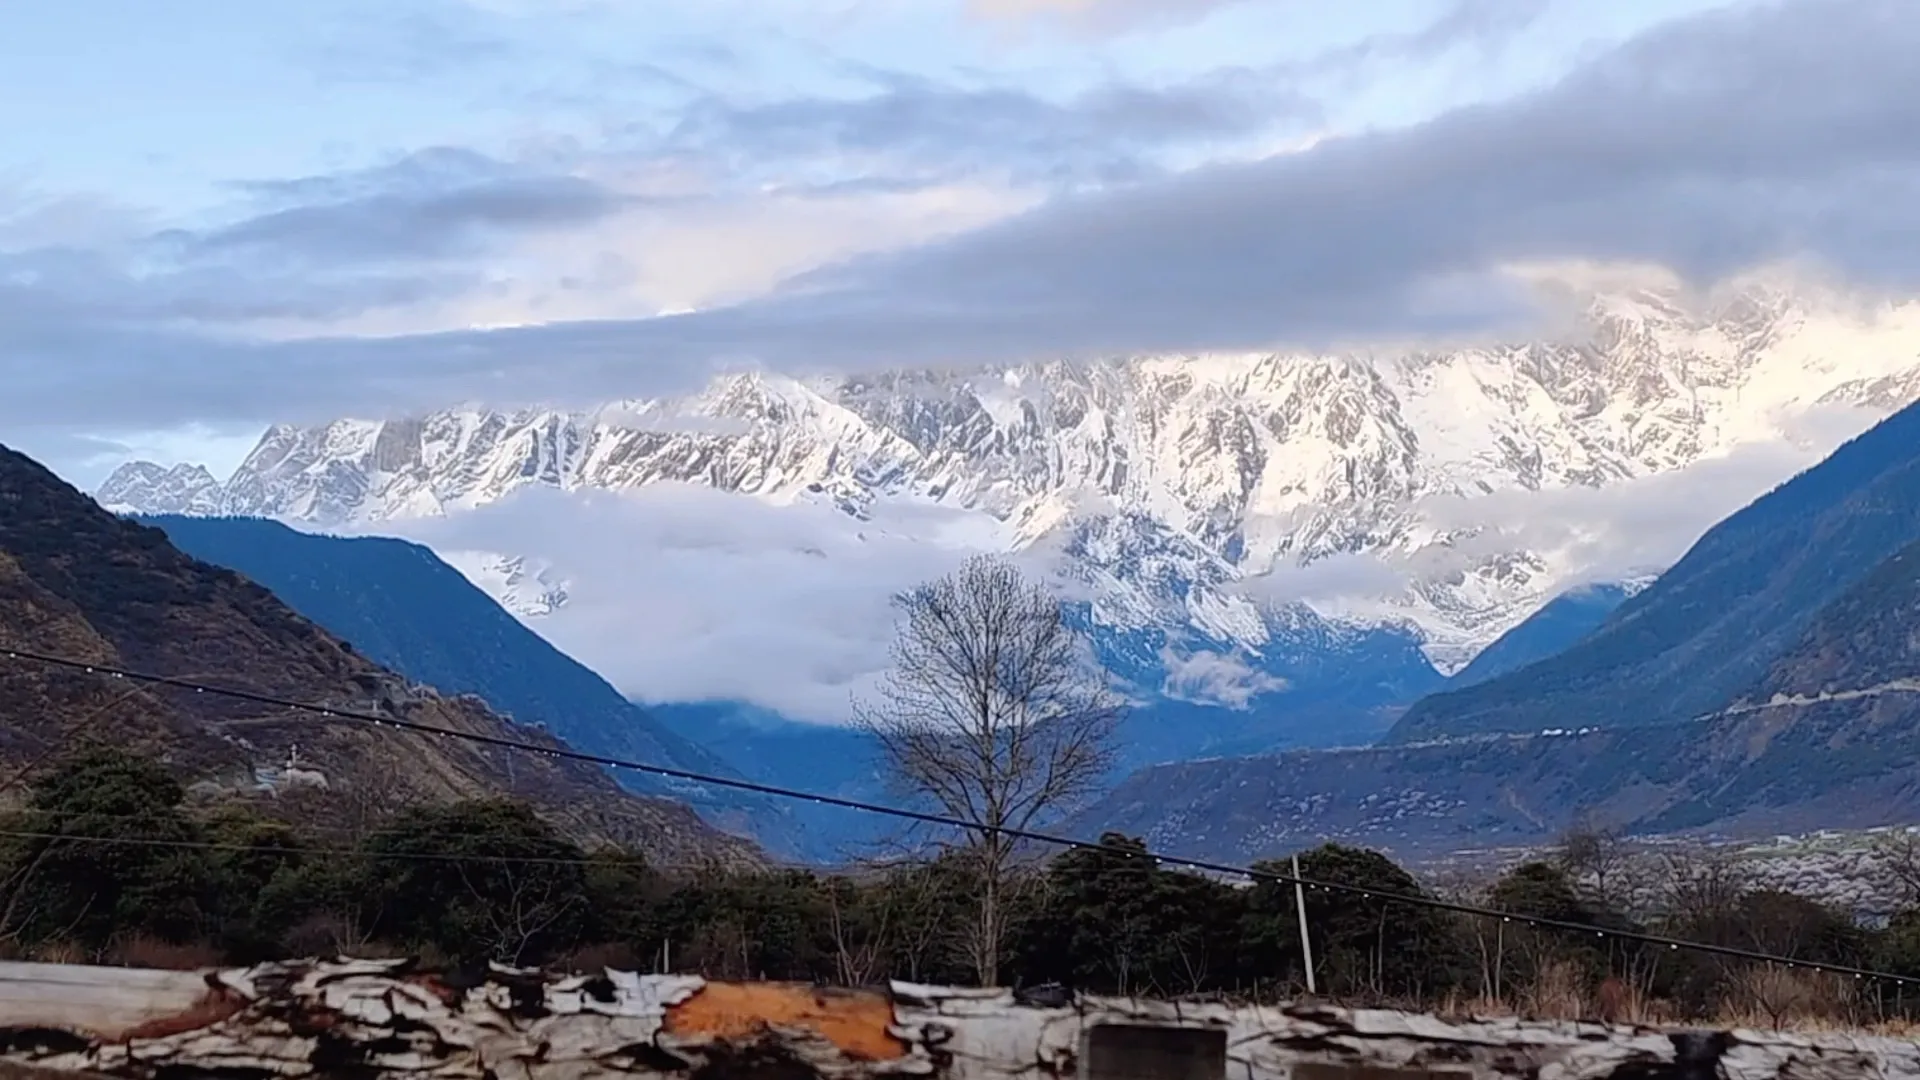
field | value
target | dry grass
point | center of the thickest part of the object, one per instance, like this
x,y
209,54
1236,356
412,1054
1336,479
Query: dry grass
x,y
597,958
1760,998
141,951
59,952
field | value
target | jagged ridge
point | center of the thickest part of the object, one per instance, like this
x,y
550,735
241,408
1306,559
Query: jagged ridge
x,y
1172,479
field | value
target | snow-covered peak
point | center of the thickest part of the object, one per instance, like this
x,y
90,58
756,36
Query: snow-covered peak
x,y
1212,489
145,488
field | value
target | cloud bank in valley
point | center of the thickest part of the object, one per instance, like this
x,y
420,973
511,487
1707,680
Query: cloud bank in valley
x,y
681,593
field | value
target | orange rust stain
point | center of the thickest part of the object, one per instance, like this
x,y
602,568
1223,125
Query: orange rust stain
x,y
854,1021
209,1010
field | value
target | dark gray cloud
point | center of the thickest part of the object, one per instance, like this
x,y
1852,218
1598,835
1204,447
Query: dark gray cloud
x,y
316,248
939,130
1768,131
432,204
1106,136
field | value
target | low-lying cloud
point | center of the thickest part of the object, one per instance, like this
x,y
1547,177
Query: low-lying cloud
x,y
1205,677
681,593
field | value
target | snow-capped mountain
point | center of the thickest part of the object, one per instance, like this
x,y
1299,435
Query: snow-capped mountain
x,y
1192,492
183,489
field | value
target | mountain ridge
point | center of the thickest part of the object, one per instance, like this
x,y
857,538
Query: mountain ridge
x,y
404,608
79,582
1235,467
1714,620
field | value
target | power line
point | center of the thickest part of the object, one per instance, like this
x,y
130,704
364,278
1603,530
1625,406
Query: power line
x,y
588,858
297,850
925,818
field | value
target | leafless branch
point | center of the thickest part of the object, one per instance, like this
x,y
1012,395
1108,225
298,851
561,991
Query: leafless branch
x,y
994,712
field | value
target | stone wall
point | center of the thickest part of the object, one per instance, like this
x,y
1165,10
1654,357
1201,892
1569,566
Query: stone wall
x,y
368,1019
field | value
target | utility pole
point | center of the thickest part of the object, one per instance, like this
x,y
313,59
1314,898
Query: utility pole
x,y
1300,905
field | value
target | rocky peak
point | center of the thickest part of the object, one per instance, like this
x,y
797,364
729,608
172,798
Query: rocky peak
x,y
1262,462
148,488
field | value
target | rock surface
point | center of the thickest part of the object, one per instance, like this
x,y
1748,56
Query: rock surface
x,y
382,1018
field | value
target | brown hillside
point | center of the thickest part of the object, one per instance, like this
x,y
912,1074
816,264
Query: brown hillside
x,y
76,581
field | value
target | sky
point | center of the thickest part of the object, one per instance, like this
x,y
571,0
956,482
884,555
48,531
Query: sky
x,y
216,215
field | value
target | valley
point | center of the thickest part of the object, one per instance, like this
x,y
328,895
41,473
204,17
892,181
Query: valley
x,y
576,539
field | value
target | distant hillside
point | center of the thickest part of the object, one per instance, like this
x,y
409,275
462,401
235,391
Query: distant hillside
x,y
1867,639
77,581
1712,623
1832,729
401,606
819,758
1553,629
1827,738
1806,648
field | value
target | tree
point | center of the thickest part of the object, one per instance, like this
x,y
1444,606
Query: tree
x,y
994,713
1115,921
482,880
1362,945
1593,856
105,850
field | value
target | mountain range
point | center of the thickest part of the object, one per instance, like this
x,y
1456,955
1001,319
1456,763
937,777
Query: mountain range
x,y
80,583
1769,682
1336,533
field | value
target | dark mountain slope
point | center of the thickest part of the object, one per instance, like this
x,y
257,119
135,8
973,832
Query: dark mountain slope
x,y
77,581
1827,737
402,607
1556,627
1834,721
1866,639
1711,624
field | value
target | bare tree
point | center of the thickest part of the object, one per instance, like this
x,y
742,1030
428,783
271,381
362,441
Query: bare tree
x,y
1594,857
994,712
532,902
1897,862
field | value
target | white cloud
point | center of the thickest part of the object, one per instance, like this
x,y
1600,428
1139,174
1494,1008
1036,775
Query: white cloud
x,y
1096,17
682,593
1212,678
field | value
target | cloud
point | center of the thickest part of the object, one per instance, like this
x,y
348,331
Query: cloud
x,y
918,130
434,204
1211,678
1762,132
686,594
1709,146
1098,16
316,248
1624,529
